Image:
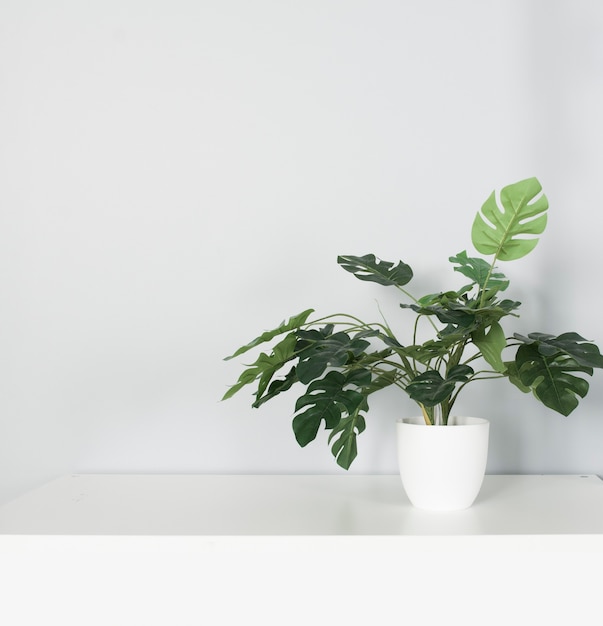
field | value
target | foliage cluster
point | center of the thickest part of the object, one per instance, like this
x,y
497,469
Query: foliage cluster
x,y
341,360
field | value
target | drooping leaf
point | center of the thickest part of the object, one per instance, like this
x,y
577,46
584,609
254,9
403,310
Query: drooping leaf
x,y
571,344
265,367
507,229
345,448
550,378
368,268
322,352
276,387
491,344
324,400
547,364
294,322
430,388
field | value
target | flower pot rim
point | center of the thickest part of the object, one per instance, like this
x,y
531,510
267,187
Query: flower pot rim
x,y
420,421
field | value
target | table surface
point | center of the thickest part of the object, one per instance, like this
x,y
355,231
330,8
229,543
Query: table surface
x,y
247,505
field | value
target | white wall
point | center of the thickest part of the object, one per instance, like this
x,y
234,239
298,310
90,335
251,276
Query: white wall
x,y
178,176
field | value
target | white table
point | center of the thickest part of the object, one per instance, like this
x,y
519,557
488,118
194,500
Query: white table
x,y
340,505
173,549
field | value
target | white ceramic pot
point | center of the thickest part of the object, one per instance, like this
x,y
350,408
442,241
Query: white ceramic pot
x,y
442,467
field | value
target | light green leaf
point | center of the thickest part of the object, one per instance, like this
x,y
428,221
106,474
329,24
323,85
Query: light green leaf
x,y
294,322
491,345
478,271
265,366
505,229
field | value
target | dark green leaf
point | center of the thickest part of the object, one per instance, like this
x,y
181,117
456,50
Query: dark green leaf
x,y
325,400
546,364
571,344
368,268
550,378
322,352
382,381
429,388
466,315
448,314
345,448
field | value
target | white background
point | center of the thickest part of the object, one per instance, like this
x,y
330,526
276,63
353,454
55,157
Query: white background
x,y
177,177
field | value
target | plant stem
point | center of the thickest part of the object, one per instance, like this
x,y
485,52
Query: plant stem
x,y
425,416
437,415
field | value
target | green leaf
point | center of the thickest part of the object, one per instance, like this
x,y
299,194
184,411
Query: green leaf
x,y
546,363
276,387
345,448
478,271
491,344
429,388
324,400
571,344
431,349
465,314
506,229
368,268
322,352
265,367
550,378
512,373
294,322
448,312
382,381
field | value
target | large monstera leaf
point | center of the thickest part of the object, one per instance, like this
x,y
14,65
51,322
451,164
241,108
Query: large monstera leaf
x,y
367,267
507,229
334,401
547,364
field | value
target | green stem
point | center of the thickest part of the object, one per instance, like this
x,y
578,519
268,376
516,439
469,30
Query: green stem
x,y
425,415
476,376
360,323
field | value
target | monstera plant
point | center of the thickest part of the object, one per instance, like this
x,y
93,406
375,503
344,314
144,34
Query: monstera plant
x,y
337,362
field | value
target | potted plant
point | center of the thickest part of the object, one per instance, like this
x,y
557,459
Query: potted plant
x,y
337,362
